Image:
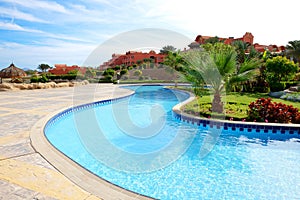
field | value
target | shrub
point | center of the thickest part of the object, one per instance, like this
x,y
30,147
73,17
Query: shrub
x,y
130,67
110,72
34,79
43,79
137,73
276,87
106,79
123,72
264,110
117,68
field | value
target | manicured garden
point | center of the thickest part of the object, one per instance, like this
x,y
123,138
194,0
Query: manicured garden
x,y
236,107
241,81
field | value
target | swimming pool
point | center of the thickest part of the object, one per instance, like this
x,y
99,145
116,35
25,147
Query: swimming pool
x,y
242,164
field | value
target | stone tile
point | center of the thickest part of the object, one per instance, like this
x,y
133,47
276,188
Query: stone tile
x,y
15,150
35,159
7,189
42,197
3,111
15,123
22,193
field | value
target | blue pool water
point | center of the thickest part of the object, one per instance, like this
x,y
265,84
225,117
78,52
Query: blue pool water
x,y
138,144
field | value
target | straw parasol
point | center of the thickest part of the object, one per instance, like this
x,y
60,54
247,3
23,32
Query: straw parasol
x,y
12,72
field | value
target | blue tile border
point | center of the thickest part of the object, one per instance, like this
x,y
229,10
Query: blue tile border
x,y
254,127
78,108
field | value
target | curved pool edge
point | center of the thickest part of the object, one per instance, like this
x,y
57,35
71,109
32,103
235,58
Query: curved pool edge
x,y
82,177
291,129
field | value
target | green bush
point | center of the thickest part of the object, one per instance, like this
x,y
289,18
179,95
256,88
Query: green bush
x,y
106,79
110,72
43,79
123,72
276,87
34,80
117,67
137,73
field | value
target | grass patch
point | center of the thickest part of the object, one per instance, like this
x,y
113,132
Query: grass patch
x,y
236,106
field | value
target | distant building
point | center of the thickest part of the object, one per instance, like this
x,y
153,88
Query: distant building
x,y
131,58
61,69
247,38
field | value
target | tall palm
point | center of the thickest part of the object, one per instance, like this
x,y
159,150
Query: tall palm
x,y
225,62
215,67
247,64
241,49
293,49
245,72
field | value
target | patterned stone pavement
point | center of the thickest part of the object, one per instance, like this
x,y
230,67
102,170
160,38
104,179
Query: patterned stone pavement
x,y
24,173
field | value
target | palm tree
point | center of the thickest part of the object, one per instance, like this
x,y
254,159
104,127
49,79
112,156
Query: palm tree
x,y
241,49
293,49
247,64
245,72
215,67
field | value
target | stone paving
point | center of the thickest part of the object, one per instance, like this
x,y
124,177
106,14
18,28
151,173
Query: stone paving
x,y
24,173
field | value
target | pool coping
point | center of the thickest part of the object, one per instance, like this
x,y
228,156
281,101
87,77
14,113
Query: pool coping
x,y
93,183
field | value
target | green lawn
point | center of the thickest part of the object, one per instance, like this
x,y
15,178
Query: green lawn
x,y
236,105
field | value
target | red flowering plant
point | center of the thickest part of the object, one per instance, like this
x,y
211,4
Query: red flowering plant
x,y
264,110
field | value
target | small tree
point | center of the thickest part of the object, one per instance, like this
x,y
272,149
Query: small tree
x,y
166,49
279,69
44,67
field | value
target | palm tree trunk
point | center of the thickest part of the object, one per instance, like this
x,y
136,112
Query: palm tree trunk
x,y
217,104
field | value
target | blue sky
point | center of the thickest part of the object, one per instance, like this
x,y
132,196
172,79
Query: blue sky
x,y
67,31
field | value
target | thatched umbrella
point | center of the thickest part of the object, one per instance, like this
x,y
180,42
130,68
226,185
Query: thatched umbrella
x,y
12,72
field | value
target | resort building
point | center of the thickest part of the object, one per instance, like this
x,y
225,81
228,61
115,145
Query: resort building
x,y
131,58
137,57
60,69
247,38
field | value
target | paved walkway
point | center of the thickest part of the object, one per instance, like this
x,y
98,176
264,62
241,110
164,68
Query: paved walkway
x,y
24,173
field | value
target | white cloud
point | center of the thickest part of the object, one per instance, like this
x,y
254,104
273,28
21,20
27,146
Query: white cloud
x,y
13,13
15,27
37,4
